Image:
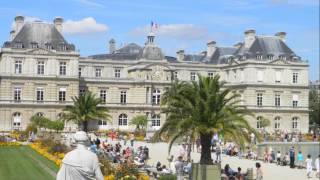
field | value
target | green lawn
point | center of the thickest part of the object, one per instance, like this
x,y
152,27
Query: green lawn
x,y
23,163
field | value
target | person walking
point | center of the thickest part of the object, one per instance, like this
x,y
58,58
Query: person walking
x,y
218,153
259,173
292,157
278,158
309,165
179,168
132,139
300,160
317,165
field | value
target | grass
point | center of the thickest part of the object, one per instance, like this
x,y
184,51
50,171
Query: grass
x,y
23,163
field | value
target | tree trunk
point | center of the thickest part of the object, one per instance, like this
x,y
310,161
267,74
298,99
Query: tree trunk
x,y
205,140
85,126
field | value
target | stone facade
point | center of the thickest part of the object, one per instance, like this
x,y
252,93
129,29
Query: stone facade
x,y
272,80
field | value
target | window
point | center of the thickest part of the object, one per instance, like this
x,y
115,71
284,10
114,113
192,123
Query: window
x,y
40,114
34,45
295,99
98,72
62,94
102,123
210,74
270,57
278,76
259,57
62,68
16,120
260,75
48,46
156,96
259,123
79,71
123,120
277,100
295,78
282,57
259,99
39,94
63,47
234,74
103,95
40,67
123,97
295,123
18,67
175,75
277,123
17,94
117,72
155,120
241,75
18,45
192,76
82,91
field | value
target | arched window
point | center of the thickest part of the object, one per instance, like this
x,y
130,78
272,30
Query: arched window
x,y
156,96
60,115
295,123
155,119
277,122
16,120
40,114
259,125
123,120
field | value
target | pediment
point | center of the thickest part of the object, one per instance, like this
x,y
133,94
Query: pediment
x,y
41,52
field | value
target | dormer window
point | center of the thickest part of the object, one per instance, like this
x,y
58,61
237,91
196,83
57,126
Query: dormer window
x,y
34,45
18,45
270,57
244,57
63,47
48,46
259,56
282,57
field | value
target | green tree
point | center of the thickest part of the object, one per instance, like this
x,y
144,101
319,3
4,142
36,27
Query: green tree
x,y
204,107
140,122
314,106
46,123
85,108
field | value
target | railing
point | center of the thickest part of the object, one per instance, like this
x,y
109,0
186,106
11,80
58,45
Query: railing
x,y
276,107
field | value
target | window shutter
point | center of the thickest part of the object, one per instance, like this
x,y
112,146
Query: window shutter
x,y
260,75
295,97
63,89
278,76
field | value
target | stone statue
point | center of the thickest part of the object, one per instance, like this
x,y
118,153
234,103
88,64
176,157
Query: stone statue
x,y
80,163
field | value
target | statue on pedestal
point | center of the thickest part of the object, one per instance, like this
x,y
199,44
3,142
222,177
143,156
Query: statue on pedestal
x,y
80,163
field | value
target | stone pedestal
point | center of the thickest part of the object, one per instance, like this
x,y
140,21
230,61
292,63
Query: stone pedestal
x,y
205,172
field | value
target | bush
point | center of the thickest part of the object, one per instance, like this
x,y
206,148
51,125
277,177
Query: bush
x,y
106,167
126,170
168,177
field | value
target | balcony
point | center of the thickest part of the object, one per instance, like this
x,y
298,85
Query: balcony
x,y
35,102
277,108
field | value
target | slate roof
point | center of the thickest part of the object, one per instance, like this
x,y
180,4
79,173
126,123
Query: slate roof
x,y
42,34
221,55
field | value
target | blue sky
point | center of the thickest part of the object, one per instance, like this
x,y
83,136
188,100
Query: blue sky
x,y
189,25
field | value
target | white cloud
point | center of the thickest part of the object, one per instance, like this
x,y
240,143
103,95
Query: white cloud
x,y
178,31
84,26
90,3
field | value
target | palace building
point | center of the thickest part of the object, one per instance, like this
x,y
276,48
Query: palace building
x,y
40,72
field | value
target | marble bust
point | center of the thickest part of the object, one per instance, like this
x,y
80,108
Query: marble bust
x,y
80,163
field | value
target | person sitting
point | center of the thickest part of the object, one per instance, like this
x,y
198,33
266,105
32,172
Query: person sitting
x,y
278,158
239,175
285,159
164,169
158,166
228,171
187,168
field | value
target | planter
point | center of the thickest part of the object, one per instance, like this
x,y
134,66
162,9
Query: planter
x,y
205,172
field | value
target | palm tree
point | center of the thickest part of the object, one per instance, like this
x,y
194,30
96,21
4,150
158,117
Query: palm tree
x,y
140,122
85,108
203,108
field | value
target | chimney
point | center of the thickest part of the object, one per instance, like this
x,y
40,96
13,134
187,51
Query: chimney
x,y
58,23
180,55
112,46
238,45
12,35
19,20
211,48
249,37
281,35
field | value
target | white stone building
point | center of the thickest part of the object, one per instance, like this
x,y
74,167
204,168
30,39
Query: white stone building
x,y
40,72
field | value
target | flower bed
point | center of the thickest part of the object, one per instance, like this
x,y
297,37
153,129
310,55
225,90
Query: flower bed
x,y
10,144
44,151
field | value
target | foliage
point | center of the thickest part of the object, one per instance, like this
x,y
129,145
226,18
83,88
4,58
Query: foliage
x,y
314,106
43,122
85,108
168,177
202,108
265,122
126,171
140,122
32,128
106,167
9,143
